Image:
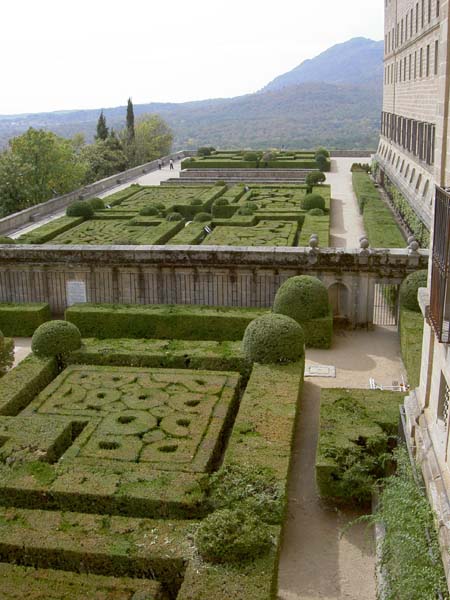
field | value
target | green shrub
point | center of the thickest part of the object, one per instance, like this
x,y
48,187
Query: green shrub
x,y
149,211
196,202
358,430
411,333
323,163
4,239
174,216
220,183
322,152
316,212
6,354
232,536
221,202
97,203
205,151
313,201
250,157
248,486
410,551
21,320
315,178
202,217
409,289
80,209
245,211
302,298
273,338
55,338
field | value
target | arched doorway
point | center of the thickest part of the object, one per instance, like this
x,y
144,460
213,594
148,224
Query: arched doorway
x,y
339,300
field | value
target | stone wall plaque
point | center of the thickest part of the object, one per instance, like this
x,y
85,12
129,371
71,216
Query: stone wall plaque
x,y
76,292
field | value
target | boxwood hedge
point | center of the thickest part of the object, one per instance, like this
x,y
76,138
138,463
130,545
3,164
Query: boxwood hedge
x,y
21,320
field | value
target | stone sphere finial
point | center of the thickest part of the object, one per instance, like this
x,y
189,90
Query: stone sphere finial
x,y
364,243
314,241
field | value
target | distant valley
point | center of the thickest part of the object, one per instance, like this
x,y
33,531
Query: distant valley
x,y
333,100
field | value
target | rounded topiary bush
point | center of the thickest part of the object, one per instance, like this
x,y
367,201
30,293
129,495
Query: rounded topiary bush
x,y
316,212
231,536
251,156
55,338
80,209
245,211
97,203
273,338
4,239
302,298
195,202
313,201
220,183
202,217
174,216
221,202
409,288
149,211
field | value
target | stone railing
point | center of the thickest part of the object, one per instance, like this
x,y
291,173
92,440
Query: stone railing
x,y
39,211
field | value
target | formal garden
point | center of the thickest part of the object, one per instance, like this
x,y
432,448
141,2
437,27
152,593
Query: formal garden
x,y
239,215
210,158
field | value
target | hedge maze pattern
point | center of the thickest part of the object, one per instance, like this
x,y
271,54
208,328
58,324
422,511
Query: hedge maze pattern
x,y
253,215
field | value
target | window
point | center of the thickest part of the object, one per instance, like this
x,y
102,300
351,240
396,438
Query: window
x,y
421,62
425,188
406,27
398,161
417,17
436,56
409,67
428,60
429,11
419,181
400,77
437,7
406,171
444,401
411,23
402,165
415,64
401,33
422,16
404,69
413,174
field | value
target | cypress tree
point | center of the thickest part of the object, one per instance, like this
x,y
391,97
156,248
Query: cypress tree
x,y
102,130
130,121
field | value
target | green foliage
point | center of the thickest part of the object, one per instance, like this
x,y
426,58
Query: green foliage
x,y
313,201
379,222
411,333
102,129
104,158
315,178
256,489
80,208
174,216
409,289
6,354
358,167
97,203
202,217
196,202
358,430
322,152
410,551
160,321
21,320
153,138
323,163
251,157
221,202
232,536
130,121
273,338
149,211
4,239
38,165
220,183
302,298
205,151
316,212
55,338
406,212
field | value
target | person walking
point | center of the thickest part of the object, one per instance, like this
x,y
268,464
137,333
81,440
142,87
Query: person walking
x,y
159,164
171,164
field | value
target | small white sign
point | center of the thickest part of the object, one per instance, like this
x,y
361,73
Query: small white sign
x,y
76,292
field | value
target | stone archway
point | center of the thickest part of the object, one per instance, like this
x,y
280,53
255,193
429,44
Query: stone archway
x,y
339,295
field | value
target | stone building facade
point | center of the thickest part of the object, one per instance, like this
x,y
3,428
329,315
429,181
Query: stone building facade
x,y
413,132
414,153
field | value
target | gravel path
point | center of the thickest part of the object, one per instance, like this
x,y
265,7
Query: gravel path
x,y
346,222
317,561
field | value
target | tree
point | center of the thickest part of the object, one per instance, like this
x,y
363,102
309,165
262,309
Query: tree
x,y
15,191
153,138
130,121
48,164
102,130
104,158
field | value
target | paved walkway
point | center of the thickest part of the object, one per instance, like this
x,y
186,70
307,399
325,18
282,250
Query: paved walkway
x,y
152,178
22,348
318,562
346,222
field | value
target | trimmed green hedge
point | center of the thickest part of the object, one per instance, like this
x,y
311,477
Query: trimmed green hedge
x,y
19,386
358,428
411,332
21,320
47,232
319,332
161,321
379,222
315,224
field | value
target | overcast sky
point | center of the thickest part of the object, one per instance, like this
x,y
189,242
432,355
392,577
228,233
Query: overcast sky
x,y
58,55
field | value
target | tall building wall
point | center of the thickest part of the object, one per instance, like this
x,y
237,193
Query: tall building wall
x,y
415,55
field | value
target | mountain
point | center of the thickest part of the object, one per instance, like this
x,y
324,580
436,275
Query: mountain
x,y
358,61
332,100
